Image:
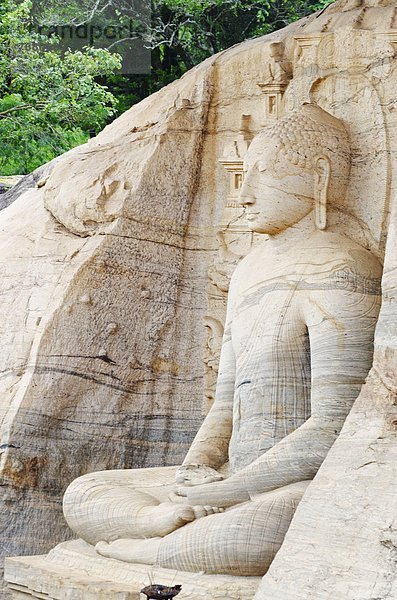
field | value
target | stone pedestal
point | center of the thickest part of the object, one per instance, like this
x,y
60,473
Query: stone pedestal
x,y
74,571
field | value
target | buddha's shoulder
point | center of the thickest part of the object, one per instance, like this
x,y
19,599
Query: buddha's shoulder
x,y
336,252
324,260
321,248
340,263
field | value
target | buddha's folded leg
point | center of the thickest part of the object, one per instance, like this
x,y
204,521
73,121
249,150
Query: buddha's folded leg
x,y
109,505
241,541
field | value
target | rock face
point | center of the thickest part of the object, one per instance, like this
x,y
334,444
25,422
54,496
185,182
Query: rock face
x,y
107,307
95,347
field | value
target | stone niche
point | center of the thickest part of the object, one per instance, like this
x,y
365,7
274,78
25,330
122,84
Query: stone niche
x,y
115,275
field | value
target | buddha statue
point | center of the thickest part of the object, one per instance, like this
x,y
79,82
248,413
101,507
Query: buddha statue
x,y
297,347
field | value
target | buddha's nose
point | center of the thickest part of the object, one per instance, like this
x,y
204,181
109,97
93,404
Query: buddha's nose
x,y
246,196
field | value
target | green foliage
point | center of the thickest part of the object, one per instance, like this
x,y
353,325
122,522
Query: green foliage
x,y
49,103
27,142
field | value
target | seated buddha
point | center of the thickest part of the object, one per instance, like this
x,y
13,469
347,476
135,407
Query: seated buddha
x,y
297,347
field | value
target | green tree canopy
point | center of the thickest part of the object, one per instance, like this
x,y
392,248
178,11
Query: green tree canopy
x,y
49,102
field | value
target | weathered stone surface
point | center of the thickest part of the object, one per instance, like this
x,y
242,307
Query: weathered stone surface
x,y
90,383
342,541
59,575
36,178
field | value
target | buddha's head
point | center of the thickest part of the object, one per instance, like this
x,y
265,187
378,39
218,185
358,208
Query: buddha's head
x,y
298,165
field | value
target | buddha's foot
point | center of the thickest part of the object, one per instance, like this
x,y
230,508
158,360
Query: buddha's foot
x,y
166,517
132,551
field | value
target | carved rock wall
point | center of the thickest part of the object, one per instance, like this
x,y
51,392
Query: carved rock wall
x,y
105,294
96,313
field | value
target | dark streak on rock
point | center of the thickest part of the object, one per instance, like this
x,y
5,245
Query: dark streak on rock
x,y
45,369
6,446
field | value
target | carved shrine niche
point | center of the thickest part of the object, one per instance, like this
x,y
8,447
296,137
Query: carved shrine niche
x,y
278,76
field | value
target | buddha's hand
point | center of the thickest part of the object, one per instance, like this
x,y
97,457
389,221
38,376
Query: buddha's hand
x,y
224,494
195,474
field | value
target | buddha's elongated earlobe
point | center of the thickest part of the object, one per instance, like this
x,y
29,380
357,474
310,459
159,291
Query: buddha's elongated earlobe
x,y
321,184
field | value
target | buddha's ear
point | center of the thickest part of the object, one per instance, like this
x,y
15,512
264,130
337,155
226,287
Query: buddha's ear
x,y
322,174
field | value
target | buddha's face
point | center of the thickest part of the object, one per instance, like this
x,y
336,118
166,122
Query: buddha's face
x,y
276,194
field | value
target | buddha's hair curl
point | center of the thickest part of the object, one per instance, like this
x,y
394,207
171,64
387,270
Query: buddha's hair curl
x,y
310,132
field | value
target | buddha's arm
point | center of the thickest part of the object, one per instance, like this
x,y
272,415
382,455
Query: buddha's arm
x,y
210,446
341,328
